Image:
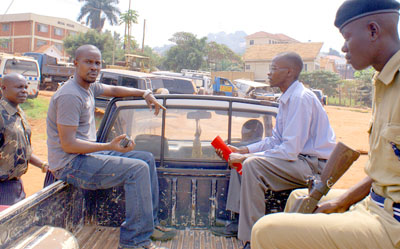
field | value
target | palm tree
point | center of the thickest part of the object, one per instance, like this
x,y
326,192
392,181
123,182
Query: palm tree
x,y
130,17
97,11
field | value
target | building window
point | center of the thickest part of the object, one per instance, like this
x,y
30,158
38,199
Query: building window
x,y
6,26
61,23
251,42
58,31
40,43
247,67
305,67
4,43
70,25
72,33
58,46
43,28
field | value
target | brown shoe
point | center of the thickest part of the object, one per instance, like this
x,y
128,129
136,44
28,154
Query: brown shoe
x,y
163,234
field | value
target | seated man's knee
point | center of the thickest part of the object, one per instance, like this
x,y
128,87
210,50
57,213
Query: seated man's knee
x,y
138,168
294,195
251,164
265,227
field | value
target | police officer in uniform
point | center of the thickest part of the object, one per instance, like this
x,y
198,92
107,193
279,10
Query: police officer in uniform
x,y
15,140
368,214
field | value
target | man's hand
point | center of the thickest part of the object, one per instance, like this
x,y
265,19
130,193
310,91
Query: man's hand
x,y
332,206
234,149
236,158
151,100
115,144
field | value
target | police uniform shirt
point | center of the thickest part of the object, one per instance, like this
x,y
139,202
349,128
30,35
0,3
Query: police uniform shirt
x,y
15,136
383,165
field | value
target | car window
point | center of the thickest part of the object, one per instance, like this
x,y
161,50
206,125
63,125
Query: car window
x,y
109,79
318,94
179,86
129,82
157,83
188,131
141,126
26,68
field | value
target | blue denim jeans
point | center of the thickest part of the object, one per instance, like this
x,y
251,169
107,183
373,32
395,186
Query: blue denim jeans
x,y
136,171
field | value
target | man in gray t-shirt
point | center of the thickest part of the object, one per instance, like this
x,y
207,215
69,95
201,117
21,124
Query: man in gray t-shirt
x,y
76,157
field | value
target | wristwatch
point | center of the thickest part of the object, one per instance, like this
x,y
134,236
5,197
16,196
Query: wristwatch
x,y
147,92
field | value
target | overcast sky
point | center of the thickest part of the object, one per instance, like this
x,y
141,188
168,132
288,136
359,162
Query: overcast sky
x,y
307,20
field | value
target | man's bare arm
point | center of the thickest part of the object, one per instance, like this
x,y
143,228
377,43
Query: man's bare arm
x,y
71,144
121,91
352,196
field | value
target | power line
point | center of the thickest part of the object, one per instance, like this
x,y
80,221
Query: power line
x,y
12,1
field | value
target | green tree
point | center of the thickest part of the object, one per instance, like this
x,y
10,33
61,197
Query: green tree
x,y
97,11
103,41
325,80
222,58
116,52
189,52
365,76
364,85
128,18
155,59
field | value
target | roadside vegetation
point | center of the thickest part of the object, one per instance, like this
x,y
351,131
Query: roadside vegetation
x,y
36,108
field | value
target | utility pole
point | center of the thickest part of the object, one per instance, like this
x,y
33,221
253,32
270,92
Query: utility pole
x,y
144,31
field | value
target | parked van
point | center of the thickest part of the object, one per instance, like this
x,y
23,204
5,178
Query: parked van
x,y
24,65
120,77
128,78
179,85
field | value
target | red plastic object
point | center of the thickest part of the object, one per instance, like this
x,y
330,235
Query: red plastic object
x,y
218,143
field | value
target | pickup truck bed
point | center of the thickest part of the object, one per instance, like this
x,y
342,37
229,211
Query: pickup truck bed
x,y
99,237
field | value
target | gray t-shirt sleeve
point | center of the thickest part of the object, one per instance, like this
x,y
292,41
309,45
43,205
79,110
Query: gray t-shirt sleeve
x,y
97,88
68,110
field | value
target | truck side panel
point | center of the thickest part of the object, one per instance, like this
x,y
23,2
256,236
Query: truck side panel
x,y
57,205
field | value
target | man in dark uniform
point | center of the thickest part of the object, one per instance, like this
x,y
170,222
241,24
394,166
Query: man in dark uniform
x,y
15,140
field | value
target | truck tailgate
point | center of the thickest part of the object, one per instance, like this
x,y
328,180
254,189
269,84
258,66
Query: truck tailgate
x,y
100,237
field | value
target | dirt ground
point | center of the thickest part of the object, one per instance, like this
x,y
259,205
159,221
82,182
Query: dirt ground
x,y
349,124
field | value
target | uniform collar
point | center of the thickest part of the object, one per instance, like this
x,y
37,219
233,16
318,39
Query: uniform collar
x,y
390,69
286,95
11,110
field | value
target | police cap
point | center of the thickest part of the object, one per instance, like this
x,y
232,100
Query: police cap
x,y
352,10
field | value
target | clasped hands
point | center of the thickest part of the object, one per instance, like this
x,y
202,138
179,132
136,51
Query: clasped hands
x,y
238,155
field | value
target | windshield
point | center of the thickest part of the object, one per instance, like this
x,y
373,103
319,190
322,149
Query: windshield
x,y
26,68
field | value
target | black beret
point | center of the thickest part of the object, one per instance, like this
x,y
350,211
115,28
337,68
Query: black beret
x,y
351,10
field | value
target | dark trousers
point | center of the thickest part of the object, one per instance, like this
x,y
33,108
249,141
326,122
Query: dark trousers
x,y
11,192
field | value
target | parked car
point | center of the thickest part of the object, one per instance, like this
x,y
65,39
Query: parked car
x,y
320,95
193,180
128,78
139,80
26,66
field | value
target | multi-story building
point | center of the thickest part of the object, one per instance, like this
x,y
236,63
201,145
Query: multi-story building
x,y
27,32
261,38
258,58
